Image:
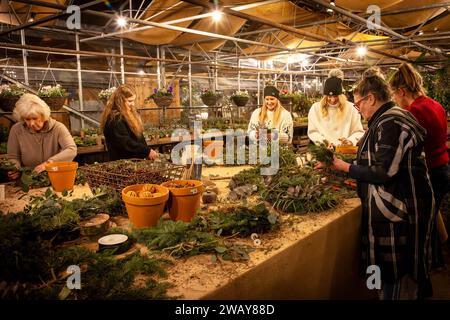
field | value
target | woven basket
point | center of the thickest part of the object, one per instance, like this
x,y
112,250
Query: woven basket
x,y
164,101
240,101
8,103
55,103
210,101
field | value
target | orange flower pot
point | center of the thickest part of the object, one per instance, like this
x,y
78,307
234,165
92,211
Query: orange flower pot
x,y
213,148
62,175
184,202
145,212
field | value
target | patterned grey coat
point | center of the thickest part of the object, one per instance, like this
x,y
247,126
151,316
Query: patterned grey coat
x,y
396,195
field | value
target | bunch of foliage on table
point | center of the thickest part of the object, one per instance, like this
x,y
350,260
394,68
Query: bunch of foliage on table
x,y
249,176
85,142
322,153
203,234
300,190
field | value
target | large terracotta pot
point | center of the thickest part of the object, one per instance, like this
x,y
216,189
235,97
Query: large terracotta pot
x,y
145,212
184,202
62,175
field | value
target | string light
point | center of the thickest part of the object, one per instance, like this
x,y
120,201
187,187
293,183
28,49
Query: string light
x,y
217,15
361,51
121,22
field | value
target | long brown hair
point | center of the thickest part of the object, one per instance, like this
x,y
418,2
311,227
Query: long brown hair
x,y
276,114
408,78
115,108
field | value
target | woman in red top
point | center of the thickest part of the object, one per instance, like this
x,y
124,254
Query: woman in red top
x,y
408,93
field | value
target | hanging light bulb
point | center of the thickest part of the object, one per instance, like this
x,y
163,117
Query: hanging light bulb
x,y
361,51
217,15
332,3
121,22
420,32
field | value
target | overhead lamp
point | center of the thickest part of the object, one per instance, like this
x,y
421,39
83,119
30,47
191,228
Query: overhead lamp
x,y
420,32
32,17
141,72
332,3
217,15
305,63
361,51
121,22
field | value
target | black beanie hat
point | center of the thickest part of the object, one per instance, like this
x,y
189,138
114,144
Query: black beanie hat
x,y
332,87
271,91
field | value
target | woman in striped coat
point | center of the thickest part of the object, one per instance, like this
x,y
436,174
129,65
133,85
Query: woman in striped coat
x,y
395,191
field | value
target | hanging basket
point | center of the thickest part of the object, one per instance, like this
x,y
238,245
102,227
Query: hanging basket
x,y
239,101
104,100
55,103
285,100
210,101
8,103
164,101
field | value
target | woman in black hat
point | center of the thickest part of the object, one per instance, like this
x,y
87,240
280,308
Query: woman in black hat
x,y
334,118
272,115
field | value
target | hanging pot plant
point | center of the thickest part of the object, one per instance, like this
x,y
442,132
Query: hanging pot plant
x,y
105,94
285,97
209,97
9,94
54,96
163,98
240,98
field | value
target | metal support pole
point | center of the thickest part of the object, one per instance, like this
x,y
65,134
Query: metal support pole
x,y
24,57
216,71
163,67
304,84
80,81
190,80
258,83
122,63
158,68
239,74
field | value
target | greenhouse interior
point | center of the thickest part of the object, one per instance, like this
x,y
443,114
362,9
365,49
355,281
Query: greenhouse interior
x,y
224,150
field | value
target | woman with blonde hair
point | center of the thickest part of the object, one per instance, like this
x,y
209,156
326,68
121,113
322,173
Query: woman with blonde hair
x,y
272,115
123,128
408,92
333,118
395,191
37,139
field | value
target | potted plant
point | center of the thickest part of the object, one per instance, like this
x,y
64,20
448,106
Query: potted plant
x,y
105,94
54,96
162,97
285,97
240,98
9,94
209,97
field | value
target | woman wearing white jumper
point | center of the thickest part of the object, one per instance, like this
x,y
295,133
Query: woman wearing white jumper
x,y
272,115
334,118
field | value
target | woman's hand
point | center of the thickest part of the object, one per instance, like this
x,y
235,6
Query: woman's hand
x,y
340,165
153,154
41,167
345,142
337,164
13,175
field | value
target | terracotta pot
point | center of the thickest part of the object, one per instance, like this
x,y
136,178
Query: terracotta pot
x,y
213,148
55,103
8,103
184,202
145,212
239,101
62,175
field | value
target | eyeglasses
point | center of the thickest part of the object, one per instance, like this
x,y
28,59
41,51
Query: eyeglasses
x,y
357,103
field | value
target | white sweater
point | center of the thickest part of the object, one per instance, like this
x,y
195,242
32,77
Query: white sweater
x,y
285,126
335,125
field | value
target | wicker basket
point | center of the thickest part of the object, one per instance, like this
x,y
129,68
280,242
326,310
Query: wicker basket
x,y
122,173
8,103
240,101
55,103
210,101
164,101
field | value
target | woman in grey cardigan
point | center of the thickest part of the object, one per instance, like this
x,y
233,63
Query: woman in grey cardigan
x,y
37,139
